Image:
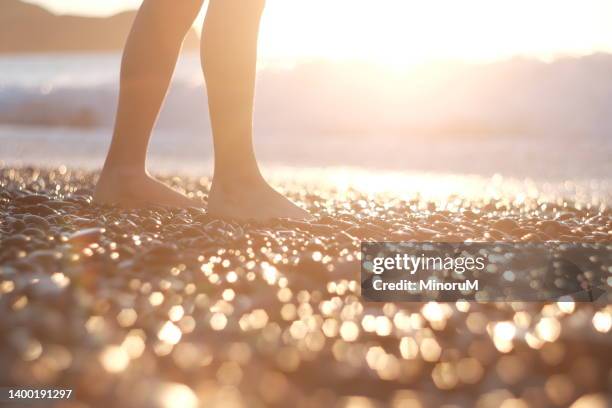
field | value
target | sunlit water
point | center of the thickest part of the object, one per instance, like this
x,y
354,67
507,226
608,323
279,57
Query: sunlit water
x,y
41,95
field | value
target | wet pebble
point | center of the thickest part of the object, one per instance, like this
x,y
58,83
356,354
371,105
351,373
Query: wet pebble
x,y
86,236
505,225
111,301
161,254
36,221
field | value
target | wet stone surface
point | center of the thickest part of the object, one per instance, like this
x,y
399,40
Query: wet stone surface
x,y
166,307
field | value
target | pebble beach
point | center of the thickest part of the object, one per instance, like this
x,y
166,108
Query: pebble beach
x,y
163,307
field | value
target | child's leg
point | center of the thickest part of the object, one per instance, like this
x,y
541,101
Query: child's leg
x,y
148,63
229,54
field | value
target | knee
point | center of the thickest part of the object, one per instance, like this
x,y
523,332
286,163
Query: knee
x,y
239,8
176,15
187,9
257,6
184,11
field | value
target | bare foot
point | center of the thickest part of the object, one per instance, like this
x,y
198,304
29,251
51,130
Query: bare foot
x,y
251,201
129,188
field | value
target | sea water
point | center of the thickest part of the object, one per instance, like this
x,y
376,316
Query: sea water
x,y
59,109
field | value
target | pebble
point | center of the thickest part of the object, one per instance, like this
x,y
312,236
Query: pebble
x,y
34,232
16,225
38,209
505,225
16,241
112,302
36,221
553,228
31,199
161,254
86,236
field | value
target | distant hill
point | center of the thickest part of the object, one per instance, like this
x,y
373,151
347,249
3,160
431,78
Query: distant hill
x,y
27,28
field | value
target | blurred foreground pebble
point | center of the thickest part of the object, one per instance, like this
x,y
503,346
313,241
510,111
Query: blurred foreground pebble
x,y
168,308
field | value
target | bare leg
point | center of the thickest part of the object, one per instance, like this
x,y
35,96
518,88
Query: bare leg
x,y
229,54
148,63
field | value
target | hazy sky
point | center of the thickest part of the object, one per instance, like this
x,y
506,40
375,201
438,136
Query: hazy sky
x,y
401,32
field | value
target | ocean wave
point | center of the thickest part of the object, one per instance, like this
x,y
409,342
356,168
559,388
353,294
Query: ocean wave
x,y
87,107
569,97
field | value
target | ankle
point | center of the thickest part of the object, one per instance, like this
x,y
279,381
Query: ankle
x,y
124,171
239,189
237,180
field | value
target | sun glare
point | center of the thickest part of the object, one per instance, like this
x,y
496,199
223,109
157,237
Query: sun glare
x,y
407,32
402,32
